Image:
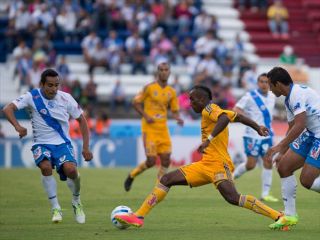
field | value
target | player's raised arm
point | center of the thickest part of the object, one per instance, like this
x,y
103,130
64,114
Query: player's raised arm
x,y
261,130
9,110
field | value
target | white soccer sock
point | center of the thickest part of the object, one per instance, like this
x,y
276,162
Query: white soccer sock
x,y
288,189
316,185
50,185
266,177
241,169
74,186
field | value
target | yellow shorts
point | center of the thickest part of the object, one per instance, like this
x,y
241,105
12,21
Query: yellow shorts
x,y
156,143
204,172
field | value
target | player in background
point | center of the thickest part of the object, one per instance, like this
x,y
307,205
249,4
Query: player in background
x,y
50,112
259,106
301,146
215,166
156,98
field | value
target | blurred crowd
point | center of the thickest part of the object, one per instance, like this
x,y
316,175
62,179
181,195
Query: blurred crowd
x,y
135,32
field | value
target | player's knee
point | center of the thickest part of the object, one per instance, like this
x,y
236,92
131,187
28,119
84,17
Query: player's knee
x,y
46,168
166,180
250,166
70,171
232,198
284,170
151,161
305,182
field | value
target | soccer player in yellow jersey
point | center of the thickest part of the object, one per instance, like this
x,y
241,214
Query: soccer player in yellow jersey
x,y
156,97
215,166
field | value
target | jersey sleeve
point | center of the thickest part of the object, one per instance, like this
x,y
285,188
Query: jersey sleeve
x,y
141,96
214,111
297,102
74,108
242,103
174,105
23,101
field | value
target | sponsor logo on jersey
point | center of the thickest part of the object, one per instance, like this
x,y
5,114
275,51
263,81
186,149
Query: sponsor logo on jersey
x,y
37,152
296,145
43,111
47,153
315,151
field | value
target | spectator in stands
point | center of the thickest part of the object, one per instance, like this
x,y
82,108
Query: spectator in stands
x,y
66,23
228,72
20,50
206,44
91,90
23,67
183,14
250,77
34,73
63,68
278,20
221,51
118,97
89,44
244,66
237,49
102,125
202,23
288,57
208,68
98,58
177,85
192,61
76,90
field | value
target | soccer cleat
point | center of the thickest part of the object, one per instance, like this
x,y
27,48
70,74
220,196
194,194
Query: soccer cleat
x,y
128,183
284,223
130,219
78,212
56,215
269,198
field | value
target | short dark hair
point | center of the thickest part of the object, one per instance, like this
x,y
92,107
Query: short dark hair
x,y
48,73
279,74
262,75
204,89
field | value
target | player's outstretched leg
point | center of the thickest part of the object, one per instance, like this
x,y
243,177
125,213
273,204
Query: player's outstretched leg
x,y
156,196
230,194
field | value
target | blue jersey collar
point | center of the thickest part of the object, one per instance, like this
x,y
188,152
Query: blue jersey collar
x,y
287,97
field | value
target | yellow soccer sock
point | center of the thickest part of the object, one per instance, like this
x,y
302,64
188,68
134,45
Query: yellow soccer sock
x,y
139,169
157,195
252,203
162,171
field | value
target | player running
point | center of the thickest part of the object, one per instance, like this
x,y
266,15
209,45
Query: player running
x,y
156,98
50,112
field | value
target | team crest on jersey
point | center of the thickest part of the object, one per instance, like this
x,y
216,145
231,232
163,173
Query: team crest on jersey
x,y
155,93
51,104
315,151
43,111
37,152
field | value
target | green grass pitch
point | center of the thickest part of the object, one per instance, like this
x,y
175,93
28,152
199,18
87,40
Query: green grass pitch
x,y
198,213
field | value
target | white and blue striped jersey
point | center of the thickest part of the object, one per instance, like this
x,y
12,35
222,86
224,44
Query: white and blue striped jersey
x,y
62,108
253,111
304,99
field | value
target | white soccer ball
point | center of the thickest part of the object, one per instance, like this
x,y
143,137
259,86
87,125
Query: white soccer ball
x,y
120,210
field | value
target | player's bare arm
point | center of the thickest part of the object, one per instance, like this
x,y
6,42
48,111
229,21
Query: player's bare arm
x,y
296,127
138,107
86,153
177,117
261,130
9,113
238,110
222,123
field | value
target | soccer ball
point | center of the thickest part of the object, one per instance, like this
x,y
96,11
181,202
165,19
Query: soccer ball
x,y
120,210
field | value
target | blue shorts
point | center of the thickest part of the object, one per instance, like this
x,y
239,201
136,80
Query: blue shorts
x,y
256,147
308,147
56,154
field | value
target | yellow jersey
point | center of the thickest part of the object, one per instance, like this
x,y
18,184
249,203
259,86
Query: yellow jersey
x,y
156,101
218,147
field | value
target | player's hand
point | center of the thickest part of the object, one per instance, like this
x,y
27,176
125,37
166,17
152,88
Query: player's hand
x,y
87,154
180,121
149,119
271,152
203,146
22,131
263,131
